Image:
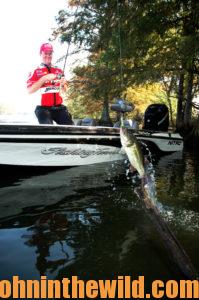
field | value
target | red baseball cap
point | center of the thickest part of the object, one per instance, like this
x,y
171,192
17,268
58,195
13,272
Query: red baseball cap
x,y
46,47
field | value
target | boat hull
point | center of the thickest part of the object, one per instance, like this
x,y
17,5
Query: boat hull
x,y
53,145
52,154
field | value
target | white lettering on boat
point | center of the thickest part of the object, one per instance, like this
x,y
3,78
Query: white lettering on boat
x,y
174,142
80,152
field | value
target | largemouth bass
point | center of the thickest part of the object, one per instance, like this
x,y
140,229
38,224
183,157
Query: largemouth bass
x,y
133,150
136,158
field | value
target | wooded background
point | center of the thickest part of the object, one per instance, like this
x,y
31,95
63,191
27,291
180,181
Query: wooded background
x,y
144,51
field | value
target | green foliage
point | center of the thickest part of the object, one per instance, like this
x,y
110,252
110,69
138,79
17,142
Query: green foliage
x,y
134,43
144,95
81,106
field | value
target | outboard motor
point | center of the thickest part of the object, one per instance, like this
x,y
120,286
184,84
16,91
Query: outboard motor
x,y
156,117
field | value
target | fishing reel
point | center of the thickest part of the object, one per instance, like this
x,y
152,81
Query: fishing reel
x,y
59,76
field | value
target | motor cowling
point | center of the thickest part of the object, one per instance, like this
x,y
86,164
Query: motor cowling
x,y
156,117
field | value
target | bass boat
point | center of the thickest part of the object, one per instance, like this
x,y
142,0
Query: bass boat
x,y
67,146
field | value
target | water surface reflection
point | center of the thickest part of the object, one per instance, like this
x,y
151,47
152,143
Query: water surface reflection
x,y
87,221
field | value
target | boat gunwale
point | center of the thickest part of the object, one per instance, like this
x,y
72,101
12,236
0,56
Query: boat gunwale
x,y
68,130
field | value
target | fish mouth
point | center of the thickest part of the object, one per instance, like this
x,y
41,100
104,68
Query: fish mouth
x,y
127,134
124,131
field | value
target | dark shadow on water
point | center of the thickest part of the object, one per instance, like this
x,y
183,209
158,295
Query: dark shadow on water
x,y
17,173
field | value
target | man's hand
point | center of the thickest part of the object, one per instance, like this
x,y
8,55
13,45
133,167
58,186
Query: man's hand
x,y
63,83
38,84
48,77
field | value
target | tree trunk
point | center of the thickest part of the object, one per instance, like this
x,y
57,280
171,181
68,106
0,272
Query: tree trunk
x,y
188,106
171,111
179,117
105,119
168,89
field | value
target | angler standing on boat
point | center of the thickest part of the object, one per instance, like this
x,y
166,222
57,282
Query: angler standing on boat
x,y
51,82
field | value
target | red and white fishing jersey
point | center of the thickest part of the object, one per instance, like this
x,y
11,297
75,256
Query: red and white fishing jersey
x,y
50,90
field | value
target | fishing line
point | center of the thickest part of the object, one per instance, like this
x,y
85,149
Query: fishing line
x,y
120,47
69,42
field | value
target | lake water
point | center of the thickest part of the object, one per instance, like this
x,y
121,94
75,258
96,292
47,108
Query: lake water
x,y
88,221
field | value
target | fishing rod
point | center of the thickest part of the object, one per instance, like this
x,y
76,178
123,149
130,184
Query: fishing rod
x,y
69,42
74,81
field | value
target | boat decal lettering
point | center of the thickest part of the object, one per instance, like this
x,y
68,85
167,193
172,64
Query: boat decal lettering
x,y
81,152
174,142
